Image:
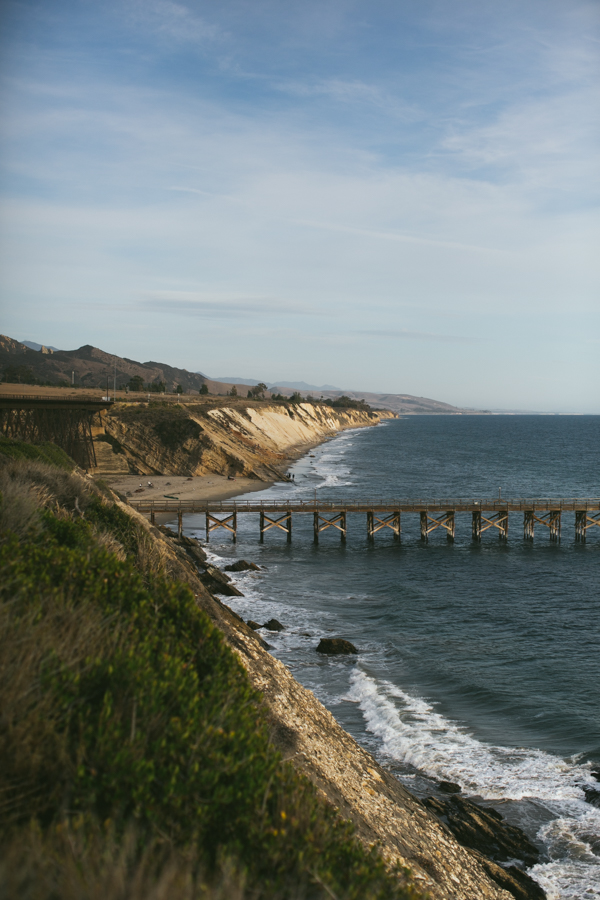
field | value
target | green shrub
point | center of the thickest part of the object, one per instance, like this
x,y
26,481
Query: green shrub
x,y
171,424
45,452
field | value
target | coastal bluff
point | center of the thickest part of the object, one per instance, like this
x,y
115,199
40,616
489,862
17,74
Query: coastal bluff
x,y
345,774
256,439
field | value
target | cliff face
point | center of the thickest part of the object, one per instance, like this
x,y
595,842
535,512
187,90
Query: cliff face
x,y
253,440
350,779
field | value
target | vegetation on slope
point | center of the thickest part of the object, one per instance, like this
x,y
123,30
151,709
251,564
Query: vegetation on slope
x,y
135,758
46,452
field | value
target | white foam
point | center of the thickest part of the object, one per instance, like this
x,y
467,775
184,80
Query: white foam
x,y
411,731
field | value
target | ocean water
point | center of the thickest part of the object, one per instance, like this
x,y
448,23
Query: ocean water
x,y
479,663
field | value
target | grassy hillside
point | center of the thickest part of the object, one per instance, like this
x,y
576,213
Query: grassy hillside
x,y
135,758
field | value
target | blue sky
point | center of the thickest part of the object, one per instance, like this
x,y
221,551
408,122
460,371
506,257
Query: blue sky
x,y
388,196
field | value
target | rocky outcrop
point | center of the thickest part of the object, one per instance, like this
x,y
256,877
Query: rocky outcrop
x,y
484,829
335,646
242,566
242,438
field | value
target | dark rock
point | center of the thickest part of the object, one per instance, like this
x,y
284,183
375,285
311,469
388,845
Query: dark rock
x,y
483,830
592,796
273,625
595,775
218,583
514,880
219,576
242,566
449,787
335,646
253,625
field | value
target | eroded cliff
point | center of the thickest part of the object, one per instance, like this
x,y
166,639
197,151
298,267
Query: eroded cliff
x,y
238,438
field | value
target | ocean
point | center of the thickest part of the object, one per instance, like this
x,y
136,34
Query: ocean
x,y
479,662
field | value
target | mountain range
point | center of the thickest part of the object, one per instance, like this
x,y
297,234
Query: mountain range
x,y
90,367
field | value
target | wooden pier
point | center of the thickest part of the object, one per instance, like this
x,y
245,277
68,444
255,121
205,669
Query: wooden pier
x,y
381,515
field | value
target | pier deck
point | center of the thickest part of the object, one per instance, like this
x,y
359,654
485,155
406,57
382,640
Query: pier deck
x,y
384,513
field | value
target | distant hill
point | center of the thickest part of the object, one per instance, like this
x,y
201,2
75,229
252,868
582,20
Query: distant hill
x,y
91,367
294,385
33,346
405,404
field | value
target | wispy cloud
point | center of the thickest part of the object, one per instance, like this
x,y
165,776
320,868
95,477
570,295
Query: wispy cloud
x,y
215,306
173,20
405,335
353,93
396,236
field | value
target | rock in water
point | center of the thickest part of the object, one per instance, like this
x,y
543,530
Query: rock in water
x,y
253,625
335,646
449,787
492,840
592,796
219,583
242,566
484,829
273,625
521,885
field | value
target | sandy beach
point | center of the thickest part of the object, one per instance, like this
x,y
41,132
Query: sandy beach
x,y
181,487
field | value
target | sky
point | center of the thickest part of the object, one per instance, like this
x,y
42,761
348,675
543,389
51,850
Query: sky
x,y
385,196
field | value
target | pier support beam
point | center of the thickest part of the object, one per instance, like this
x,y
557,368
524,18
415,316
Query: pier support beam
x,y
429,524
152,517
179,523
584,521
528,525
266,523
320,523
550,520
229,523
375,523
482,523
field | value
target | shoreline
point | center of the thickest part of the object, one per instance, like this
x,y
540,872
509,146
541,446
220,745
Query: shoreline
x,y
186,487
211,486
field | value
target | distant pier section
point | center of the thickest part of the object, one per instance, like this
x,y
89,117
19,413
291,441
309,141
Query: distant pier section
x,y
386,515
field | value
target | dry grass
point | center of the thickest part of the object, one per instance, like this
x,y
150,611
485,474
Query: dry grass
x,y
34,642
27,486
85,863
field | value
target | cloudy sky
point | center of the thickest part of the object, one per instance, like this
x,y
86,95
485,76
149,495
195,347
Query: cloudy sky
x,y
392,195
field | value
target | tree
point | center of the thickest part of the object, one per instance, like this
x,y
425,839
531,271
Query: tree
x,y
258,391
234,391
203,389
297,397
179,389
136,383
19,375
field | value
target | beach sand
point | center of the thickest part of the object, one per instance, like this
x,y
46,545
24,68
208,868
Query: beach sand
x,y
180,487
